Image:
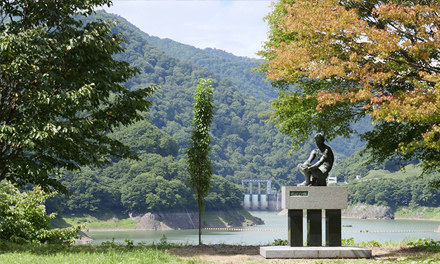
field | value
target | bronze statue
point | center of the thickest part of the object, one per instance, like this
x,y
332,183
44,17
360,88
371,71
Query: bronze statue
x,y
317,173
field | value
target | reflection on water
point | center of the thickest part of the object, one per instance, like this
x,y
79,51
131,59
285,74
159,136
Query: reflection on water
x,y
276,222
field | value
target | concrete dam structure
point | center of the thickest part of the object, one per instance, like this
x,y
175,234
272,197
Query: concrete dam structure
x,y
269,201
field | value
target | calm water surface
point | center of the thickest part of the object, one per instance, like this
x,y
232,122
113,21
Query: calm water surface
x,y
277,226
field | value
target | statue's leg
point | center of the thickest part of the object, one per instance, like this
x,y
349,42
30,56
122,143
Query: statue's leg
x,y
306,174
312,181
319,178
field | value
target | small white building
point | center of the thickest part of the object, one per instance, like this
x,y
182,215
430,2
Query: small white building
x,y
332,180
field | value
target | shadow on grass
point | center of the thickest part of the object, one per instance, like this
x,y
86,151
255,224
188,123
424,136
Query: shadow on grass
x,y
217,250
403,252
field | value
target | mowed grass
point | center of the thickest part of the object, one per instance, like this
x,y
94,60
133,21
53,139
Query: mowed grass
x,y
37,254
422,251
116,256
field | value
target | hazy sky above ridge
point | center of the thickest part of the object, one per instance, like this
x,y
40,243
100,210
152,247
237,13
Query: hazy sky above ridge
x,y
233,26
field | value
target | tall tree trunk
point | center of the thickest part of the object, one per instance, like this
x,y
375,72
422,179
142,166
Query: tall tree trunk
x,y
199,201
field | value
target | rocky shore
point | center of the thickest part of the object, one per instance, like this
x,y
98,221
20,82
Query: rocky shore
x,y
187,219
366,211
180,219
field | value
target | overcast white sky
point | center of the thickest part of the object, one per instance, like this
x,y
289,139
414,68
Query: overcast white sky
x,y
233,26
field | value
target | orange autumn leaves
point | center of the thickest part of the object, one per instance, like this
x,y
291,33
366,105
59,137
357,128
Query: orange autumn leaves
x,y
389,55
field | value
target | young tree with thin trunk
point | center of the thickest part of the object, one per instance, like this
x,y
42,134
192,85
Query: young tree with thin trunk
x,y
197,155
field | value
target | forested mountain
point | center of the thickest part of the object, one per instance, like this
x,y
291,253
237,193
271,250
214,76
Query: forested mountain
x,y
408,192
237,69
243,144
157,181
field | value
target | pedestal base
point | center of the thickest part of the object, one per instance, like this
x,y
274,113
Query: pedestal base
x,y
286,252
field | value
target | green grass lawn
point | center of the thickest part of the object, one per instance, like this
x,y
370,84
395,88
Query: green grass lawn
x,y
89,256
110,253
422,251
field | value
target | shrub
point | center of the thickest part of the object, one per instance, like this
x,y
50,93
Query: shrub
x,y
23,217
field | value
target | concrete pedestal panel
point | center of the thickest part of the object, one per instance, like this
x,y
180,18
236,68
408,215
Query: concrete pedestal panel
x,y
283,252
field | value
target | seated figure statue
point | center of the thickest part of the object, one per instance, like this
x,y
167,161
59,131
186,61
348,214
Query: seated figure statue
x,y
316,174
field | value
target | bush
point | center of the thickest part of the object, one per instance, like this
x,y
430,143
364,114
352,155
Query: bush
x,y
23,217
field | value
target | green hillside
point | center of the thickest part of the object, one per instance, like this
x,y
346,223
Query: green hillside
x,y
157,181
239,71
243,144
236,69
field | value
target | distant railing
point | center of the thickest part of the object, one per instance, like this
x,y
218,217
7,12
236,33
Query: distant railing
x,y
282,230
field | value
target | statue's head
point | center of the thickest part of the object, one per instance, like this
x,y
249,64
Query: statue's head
x,y
319,139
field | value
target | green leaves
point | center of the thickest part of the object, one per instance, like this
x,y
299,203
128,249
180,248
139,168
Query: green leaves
x,y
61,91
334,62
24,219
199,163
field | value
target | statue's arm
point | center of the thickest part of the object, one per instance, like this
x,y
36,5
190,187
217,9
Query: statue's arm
x,y
312,156
320,161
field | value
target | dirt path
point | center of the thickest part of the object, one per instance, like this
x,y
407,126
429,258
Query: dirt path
x,y
251,254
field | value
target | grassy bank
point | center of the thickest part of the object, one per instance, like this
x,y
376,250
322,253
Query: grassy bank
x,y
416,251
419,212
97,220
112,220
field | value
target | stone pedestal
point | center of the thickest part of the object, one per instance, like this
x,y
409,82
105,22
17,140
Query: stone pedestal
x,y
333,228
314,200
295,227
286,252
314,228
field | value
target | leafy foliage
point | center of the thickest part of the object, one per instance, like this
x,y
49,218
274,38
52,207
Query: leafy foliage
x,y
348,59
157,181
23,217
237,69
243,144
197,155
393,192
62,91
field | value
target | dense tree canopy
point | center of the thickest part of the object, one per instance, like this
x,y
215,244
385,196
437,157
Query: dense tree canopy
x,y
237,69
352,58
392,192
243,145
61,90
157,181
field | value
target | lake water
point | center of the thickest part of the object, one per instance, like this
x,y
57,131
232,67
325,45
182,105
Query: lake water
x,y
276,228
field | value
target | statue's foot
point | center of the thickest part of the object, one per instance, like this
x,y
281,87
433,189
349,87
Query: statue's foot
x,y
306,184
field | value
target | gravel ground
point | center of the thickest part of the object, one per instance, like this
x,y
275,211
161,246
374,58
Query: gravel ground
x,y
251,254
